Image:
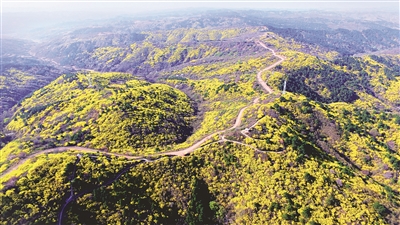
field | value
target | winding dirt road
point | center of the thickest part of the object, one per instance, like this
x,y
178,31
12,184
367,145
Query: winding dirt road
x,y
237,124
259,79
181,152
63,149
238,121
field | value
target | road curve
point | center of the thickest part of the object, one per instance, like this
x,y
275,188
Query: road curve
x,y
181,152
63,149
259,79
238,121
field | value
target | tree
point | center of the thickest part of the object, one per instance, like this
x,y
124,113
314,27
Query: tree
x,y
199,211
380,209
306,213
397,119
217,209
308,177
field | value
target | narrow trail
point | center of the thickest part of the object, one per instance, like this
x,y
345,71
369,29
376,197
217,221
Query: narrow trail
x,y
241,112
259,79
64,149
237,124
181,152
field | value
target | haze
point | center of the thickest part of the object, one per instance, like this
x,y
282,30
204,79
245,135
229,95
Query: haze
x,y
126,7
20,18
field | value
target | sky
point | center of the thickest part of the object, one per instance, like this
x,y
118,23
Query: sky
x,y
129,7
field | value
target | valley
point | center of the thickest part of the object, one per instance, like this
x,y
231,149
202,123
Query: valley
x,y
182,120
182,152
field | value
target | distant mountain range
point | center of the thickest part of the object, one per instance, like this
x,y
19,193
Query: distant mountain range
x,y
202,117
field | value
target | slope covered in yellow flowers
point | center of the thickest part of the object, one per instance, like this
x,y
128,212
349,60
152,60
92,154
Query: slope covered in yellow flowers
x,y
325,152
305,172
107,111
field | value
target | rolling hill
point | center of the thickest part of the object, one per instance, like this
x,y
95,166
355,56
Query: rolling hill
x,y
183,120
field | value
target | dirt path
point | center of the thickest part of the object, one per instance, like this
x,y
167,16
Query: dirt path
x,y
181,152
259,79
64,149
238,122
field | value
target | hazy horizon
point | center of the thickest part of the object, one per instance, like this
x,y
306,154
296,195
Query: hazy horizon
x,y
23,16
135,7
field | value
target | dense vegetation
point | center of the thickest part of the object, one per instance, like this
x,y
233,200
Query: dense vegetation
x,y
155,51
109,111
20,76
313,175
93,106
324,152
331,81
340,80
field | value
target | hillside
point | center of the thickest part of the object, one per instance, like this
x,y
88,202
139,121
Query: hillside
x,y
109,111
344,79
205,117
311,172
332,32
20,76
